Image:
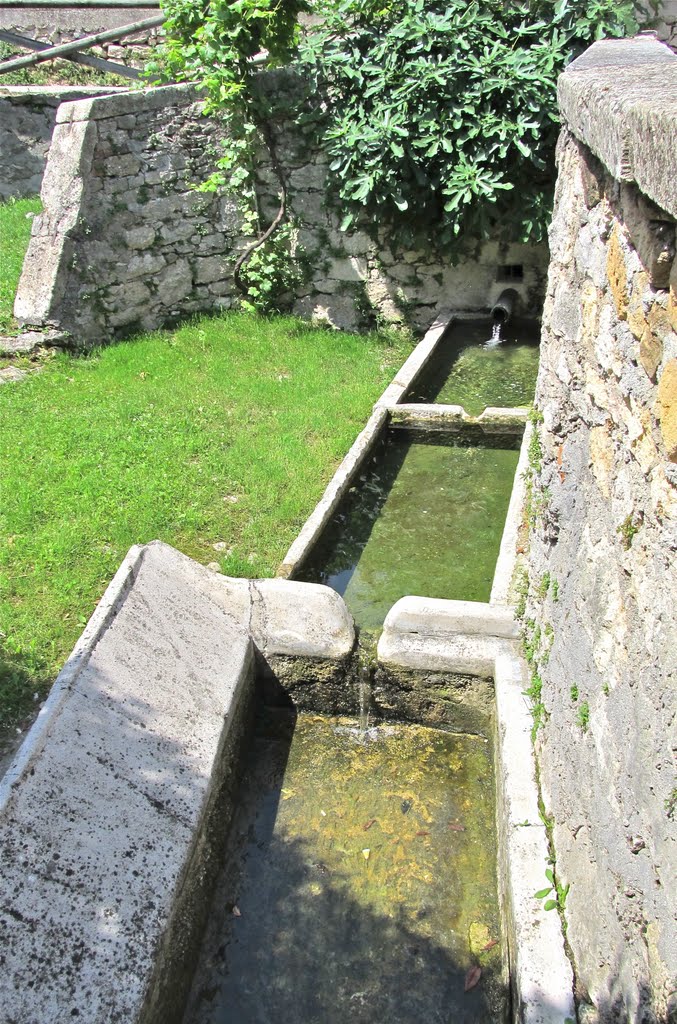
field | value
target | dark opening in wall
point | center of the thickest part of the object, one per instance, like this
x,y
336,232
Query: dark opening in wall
x,y
510,272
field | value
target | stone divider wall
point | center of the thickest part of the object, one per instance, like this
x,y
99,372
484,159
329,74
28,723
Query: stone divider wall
x,y
27,119
600,616
125,242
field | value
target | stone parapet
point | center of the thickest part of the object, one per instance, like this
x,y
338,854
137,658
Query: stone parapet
x,y
599,620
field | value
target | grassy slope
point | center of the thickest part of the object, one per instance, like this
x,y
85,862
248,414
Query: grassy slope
x,y
15,230
226,430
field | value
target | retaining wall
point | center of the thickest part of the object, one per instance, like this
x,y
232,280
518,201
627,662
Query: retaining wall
x,y
64,24
27,119
603,563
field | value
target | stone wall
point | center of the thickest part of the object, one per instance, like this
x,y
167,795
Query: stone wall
x,y
27,118
63,25
600,615
125,242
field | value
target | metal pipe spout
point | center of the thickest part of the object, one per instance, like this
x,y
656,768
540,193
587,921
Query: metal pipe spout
x,y
504,307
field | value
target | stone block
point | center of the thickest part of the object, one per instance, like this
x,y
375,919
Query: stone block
x,y
210,268
666,408
650,352
174,283
141,237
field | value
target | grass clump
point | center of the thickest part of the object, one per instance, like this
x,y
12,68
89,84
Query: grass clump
x,y
223,432
15,231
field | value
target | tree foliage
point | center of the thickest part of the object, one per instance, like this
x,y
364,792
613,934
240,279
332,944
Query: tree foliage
x,y
442,114
439,117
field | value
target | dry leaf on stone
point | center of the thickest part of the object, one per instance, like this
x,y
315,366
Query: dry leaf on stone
x,y
472,977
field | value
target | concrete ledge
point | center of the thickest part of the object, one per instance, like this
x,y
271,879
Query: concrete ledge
x,y
111,813
427,616
414,365
620,99
508,552
450,418
337,487
102,810
461,637
540,970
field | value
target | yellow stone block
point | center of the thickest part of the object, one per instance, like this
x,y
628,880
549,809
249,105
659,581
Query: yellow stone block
x,y
617,274
666,408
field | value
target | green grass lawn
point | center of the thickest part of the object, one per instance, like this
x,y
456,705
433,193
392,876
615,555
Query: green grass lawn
x,y
224,431
15,231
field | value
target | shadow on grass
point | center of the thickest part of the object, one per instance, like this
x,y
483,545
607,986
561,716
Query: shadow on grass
x,y
20,680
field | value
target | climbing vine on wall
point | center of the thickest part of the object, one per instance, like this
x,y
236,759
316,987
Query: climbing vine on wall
x,y
222,44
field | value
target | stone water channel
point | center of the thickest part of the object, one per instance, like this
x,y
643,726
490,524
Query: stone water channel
x,y
360,881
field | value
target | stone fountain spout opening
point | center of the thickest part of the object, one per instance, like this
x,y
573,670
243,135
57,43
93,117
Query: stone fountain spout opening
x,y
504,307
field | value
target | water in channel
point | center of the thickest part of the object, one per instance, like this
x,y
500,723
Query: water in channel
x,y
425,518
360,883
474,368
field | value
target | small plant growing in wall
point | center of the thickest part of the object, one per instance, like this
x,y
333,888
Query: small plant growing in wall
x,y
536,705
555,895
573,692
628,530
583,716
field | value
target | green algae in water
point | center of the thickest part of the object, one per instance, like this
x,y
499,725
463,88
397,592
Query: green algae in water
x,y
425,519
466,371
360,884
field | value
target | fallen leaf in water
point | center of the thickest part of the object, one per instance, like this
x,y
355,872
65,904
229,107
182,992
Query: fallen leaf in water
x,y
490,945
365,854
236,912
423,833
472,977
365,828
455,827
287,793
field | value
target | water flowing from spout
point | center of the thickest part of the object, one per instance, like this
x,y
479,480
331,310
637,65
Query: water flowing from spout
x,y
496,335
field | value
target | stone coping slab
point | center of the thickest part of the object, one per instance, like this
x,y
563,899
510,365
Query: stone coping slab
x,y
53,95
103,813
434,416
620,99
98,108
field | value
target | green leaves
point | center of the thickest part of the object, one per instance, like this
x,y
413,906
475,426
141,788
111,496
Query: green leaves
x,y
472,90
560,892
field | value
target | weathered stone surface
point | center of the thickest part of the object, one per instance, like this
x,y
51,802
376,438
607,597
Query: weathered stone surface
x,y
137,745
121,224
602,565
103,816
620,99
27,118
